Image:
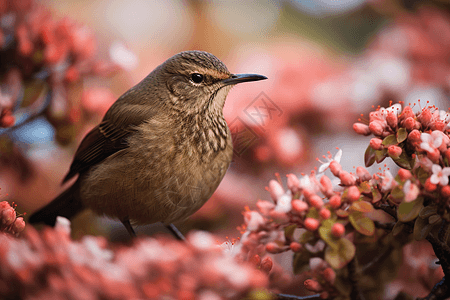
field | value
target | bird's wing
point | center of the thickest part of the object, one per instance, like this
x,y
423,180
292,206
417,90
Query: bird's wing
x,y
109,136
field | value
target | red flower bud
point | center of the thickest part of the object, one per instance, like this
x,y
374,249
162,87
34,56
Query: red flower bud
x,y
299,205
394,151
404,174
376,127
296,247
353,193
325,213
409,123
392,120
335,201
376,143
335,168
311,224
361,129
338,230
346,178
312,285
315,201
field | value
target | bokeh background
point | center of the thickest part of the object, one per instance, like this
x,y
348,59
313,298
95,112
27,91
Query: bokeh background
x,y
327,62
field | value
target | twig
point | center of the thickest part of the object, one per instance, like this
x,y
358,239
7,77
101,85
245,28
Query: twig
x,y
354,275
379,258
293,297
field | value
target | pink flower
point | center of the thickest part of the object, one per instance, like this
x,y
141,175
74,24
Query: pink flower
x,y
325,165
387,182
430,142
253,220
440,176
411,191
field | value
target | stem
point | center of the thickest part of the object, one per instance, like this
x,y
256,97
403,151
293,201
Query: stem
x,y
378,259
293,297
354,275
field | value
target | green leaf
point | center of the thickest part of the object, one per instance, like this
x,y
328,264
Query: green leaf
x,y
313,213
421,229
365,187
301,261
408,211
428,211
342,213
422,175
361,223
362,206
369,156
325,233
405,161
376,195
402,134
389,140
398,228
289,231
340,256
380,155
434,219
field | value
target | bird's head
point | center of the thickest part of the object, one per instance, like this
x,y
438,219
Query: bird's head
x,y
198,81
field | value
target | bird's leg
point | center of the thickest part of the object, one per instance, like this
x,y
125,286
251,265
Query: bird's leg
x,y
126,223
176,233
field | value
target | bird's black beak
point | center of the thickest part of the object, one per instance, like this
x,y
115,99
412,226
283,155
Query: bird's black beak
x,y
238,78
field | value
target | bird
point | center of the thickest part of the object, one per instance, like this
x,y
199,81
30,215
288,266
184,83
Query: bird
x,y
159,152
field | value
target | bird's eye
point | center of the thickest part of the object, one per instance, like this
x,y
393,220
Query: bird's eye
x,y
196,77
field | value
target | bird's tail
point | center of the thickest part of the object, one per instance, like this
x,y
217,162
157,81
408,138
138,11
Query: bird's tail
x,y
67,205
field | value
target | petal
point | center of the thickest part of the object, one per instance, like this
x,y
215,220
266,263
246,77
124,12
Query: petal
x,y
436,168
444,180
425,146
338,156
446,171
323,167
434,179
425,137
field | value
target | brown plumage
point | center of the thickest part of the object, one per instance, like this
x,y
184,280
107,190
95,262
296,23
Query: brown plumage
x,y
160,151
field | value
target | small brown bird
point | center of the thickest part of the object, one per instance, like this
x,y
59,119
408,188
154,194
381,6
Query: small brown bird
x,y
161,149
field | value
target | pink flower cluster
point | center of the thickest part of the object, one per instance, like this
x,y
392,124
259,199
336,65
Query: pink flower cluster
x,y
320,218
49,265
9,221
37,47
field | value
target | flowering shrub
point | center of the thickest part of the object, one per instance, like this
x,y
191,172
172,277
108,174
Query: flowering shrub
x,y
327,222
49,265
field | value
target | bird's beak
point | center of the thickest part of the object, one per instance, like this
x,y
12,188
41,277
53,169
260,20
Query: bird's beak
x,y
238,78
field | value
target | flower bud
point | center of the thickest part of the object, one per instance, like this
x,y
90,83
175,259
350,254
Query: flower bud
x,y
361,129
404,174
299,206
311,224
335,201
376,143
324,213
313,285
392,120
376,127
425,117
445,191
315,201
346,178
335,168
353,193
266,264
329,275
296,247
363,174
394,151
338,230
409,123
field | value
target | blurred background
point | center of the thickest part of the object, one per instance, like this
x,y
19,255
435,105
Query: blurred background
x,y
64,62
